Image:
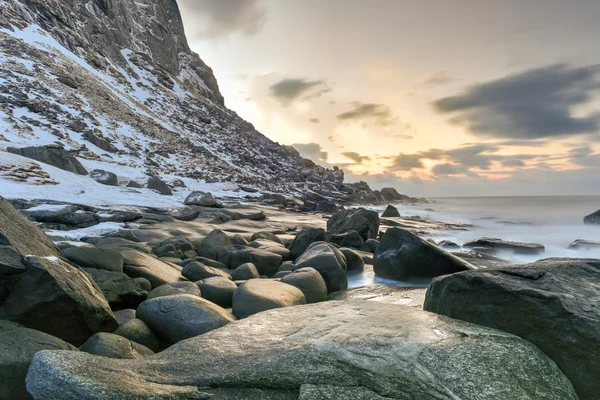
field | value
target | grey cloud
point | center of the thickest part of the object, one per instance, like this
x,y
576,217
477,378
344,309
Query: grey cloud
x,y
357,158
312,151
380,114
533,104
449,169
287,91
216,18
406,162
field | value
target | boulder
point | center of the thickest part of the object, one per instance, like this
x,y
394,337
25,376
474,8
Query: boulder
x,y
593,218
390,212
404,256
114,346
99,142
202,199
218,290
267,236
272,247
124,316
265,262
371,245
159,185
196,271
354,261
17,347
363,221
119,290
499,244
386,350
120,244
239,239
52,155
552,303
259,295
448,244
99,258
309,281
144,284
54,297
348,239
185,213
305,238
245,272
179,317
330,263
137,331
142,265
169,289
213,243
582,244
104,177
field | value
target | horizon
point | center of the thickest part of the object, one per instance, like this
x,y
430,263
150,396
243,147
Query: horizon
x,y
423,97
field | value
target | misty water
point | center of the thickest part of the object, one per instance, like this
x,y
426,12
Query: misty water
x,y
554,221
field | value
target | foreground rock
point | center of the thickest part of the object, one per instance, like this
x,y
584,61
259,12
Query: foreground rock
x,y
363,348
310,282
593,218
404,256
499,244
554,304
259,295
17,347
328,261
179,317
363,221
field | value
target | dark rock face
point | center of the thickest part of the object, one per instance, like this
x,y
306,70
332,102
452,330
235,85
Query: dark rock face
x,y
100,142
354,261
404,256
348,239
119,290
104,177
499,244
552,303
55,156
390,212
57,298
363,221
160,186
354,345
306,238
328,261
593,218
259,295
17,347
196,271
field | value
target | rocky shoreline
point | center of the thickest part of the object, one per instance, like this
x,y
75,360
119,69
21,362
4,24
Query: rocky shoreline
x,y
251,300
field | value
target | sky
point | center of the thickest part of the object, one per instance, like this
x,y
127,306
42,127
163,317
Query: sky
x,y
434,98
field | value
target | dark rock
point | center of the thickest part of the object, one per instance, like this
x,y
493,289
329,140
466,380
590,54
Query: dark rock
x,y
347,344
104,177
68,81
144,284
11,263
120,244
157,272
328,261
239,239
91,257
326,207
348,239
218,290
114,346
185,214
267,236
306,238
180,317
593,218
213,243
137,331
134,184
551,303
390,212
354,261
259,295
281,274
448,244
404,256
372,245
52,155
101,143
159,185
17,347
202,199
196,271
210,263
271,247
124,316
309,281
363,221
245,272
265,262
175,288
499,244
581,244
120,290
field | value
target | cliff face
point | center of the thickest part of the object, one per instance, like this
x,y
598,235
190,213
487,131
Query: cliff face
x,y
116,84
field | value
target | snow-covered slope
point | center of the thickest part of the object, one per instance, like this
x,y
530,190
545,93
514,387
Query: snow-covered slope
x,y
115,83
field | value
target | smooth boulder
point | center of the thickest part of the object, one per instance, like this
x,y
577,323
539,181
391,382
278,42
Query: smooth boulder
x,y
92,257
114,346
309,281
137,331
404,256
213,243
182,316
305,238
361,220
119,290
354,261
553,303
259,295
202,199
218,290
196,271
169,289
53,155
245,272
393,351
104,177
348,239
265,261
329,261
141,265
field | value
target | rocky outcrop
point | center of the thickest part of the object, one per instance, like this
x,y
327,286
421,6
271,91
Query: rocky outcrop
x,y
53,155
582,244
363,221
363,348
593,218
553,303
505,245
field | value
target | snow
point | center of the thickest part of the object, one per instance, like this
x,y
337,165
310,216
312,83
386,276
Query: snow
x,y
48,207
102,229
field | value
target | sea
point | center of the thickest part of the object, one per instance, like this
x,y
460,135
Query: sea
x,y
554,221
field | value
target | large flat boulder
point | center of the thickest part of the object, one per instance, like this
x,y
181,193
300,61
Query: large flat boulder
x,y
361,220
404,256
257,295
506,245
553,303
91,257
384,350
52,155
141,265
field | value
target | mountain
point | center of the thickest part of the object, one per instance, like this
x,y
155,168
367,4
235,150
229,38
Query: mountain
x,y
113,85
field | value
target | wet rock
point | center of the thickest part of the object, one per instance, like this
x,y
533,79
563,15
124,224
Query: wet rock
x,y
348,239
448,245
581,244
354,261
593,218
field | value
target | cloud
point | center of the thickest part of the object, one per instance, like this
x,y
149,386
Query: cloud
x,y
357,158
534,104
286,91
212,19
314,120
449,169
406,162
312,151
380,114
439,78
